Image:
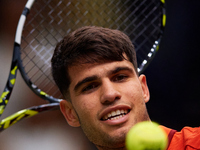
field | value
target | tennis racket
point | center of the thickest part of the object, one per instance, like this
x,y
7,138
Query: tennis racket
x,y
45,22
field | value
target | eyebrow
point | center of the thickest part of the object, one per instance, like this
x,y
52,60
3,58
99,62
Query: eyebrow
x,y
85,80
118,69
95,77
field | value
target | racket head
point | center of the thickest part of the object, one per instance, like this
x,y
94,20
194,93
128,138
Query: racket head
x,y
50,20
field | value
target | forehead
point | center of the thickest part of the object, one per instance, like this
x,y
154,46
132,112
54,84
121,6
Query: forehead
x,y
78,72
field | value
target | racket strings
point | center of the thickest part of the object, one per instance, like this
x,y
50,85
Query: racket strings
x,y
50,20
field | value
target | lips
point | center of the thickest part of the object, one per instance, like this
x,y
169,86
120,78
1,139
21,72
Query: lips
x,y
115,113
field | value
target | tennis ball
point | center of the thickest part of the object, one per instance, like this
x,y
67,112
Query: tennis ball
x,y
146,136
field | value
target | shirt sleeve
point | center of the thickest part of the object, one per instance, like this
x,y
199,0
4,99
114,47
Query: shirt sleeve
x,y
187,139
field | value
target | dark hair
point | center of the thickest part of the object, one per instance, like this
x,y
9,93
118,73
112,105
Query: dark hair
x,y
89,44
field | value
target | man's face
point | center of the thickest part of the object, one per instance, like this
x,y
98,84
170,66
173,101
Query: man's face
x,y
107,99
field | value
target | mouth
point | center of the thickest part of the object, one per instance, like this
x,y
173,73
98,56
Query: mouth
x,y
119,113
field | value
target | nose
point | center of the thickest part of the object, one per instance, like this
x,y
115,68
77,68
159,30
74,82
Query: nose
x,y
109,92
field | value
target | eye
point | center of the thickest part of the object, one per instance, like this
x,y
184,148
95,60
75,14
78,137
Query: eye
x,y
120,77
90,87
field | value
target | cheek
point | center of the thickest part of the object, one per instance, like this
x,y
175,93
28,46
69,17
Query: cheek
x,y
132,87
90,101
87,105
133,92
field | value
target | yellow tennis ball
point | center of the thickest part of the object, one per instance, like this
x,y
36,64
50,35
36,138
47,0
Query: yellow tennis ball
x,y
146,136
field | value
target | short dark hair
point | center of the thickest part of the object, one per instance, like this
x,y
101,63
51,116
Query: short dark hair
x,y
89,44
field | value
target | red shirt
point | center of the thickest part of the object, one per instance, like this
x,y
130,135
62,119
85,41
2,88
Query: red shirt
x,y
187,139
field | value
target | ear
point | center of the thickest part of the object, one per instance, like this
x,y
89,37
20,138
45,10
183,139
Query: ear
x,y
145,88
69,113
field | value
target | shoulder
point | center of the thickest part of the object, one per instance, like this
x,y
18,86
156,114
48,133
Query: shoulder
x,y
188,138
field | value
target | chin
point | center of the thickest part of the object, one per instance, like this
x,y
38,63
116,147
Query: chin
x,y
113,144
112,141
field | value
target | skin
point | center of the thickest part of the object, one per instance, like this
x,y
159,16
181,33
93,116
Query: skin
x,y
96,90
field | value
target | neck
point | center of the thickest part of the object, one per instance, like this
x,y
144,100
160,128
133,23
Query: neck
x,y
107,148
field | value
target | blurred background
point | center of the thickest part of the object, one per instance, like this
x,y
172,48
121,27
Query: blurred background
x,y
172,77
